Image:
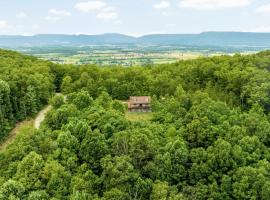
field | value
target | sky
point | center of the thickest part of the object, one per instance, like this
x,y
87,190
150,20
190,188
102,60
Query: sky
x,y
132,17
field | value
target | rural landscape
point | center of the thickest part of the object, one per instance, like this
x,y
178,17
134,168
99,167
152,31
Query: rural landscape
x,y
100,115
118,49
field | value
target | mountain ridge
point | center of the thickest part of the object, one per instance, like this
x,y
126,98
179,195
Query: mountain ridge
x,y
204,38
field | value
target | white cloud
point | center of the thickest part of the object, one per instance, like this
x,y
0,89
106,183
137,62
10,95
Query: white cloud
x,y
108,9
101,10
107,13
264,9
162,5
213,4
3,24
60,13
56,15
90,6
22,15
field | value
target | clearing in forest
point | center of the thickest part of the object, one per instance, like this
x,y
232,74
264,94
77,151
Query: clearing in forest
x,y
138,116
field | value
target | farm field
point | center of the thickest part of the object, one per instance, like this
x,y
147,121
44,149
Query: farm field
x,y
127,55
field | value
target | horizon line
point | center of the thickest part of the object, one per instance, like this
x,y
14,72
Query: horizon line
x,y
129,34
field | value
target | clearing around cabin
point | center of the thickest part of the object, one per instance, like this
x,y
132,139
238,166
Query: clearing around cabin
x,y
138,116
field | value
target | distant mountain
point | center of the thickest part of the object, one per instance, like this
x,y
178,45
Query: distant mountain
x,y
211,39
203,39
54,39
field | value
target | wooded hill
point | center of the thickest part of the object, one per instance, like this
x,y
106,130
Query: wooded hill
x,y
26,84
208,137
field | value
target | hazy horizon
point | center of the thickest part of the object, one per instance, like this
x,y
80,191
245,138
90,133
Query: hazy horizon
x,y
130,35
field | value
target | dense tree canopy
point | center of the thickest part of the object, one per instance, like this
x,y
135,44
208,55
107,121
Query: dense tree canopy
x,y
26,84
208,137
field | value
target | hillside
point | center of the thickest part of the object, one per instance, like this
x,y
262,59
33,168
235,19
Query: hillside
x,y
206,138
26,84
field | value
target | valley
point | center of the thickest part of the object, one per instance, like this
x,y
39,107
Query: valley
x,y
124,50
128,55
135,100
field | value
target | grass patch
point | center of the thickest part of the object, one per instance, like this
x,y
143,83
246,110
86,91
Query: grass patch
x,y
138,116
22,128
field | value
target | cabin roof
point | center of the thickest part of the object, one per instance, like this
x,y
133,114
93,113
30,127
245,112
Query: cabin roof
x,y
140,99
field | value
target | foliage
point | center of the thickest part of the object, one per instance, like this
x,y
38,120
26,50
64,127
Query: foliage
x,y
26,84
207,137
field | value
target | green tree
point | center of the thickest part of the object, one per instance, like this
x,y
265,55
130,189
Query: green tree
x,y
12,190
93,148
57,101
29,171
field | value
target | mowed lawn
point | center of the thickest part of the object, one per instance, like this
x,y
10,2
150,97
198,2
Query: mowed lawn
x,y
138,116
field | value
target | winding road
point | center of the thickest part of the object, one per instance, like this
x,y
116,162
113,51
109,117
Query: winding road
x,y
35,122
16,130
41,116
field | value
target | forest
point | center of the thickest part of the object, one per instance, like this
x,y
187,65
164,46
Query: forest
x,y
208,138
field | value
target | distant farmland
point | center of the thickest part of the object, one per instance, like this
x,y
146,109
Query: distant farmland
x,y
127,55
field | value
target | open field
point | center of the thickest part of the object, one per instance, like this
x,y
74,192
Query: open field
x,y
116,56
127,55
138,116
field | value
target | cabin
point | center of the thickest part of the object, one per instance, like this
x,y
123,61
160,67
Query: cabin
x,y
139,104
